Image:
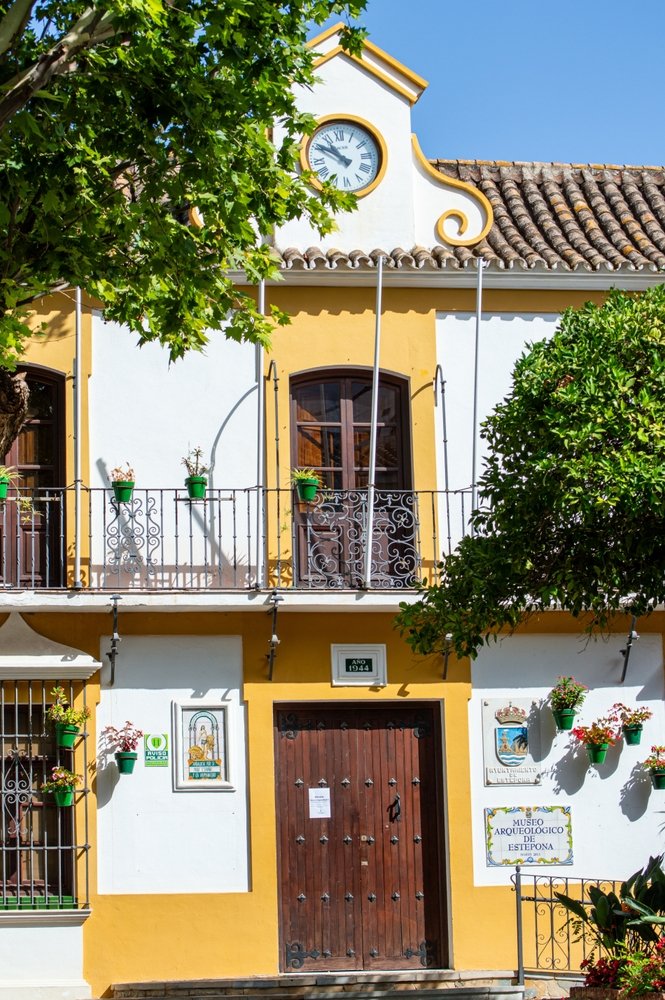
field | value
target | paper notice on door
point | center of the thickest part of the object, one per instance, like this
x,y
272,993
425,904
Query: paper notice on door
x,y
319,803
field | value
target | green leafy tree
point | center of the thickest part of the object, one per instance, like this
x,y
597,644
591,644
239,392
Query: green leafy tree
x,y
571,507
115,119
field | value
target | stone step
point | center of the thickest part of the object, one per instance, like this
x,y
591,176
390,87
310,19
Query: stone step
x,y
368,986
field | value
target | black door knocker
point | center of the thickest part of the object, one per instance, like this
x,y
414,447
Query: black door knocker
x,y
394,810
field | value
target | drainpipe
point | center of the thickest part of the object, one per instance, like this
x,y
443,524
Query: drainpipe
x,y
77,441
474,446
373,429
260,446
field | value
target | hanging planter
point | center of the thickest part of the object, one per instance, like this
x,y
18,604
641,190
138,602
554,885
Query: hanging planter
x,y
61,785
598,737
632,734
564,718
307,483
8,477
122,483
597,752
125,741
65,734
632,721
67,721
565,698
123,490
64,797
125,759
655,763
196,487
658,779
197,479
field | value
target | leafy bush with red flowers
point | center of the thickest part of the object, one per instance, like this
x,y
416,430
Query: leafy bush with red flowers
x,y
604,972
643,973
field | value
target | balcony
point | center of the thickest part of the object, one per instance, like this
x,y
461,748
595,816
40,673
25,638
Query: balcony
x,y
232,540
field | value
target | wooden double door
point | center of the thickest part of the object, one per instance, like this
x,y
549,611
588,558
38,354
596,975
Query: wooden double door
x,y
360,838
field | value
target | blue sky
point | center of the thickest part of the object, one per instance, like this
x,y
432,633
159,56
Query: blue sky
x,y
579,81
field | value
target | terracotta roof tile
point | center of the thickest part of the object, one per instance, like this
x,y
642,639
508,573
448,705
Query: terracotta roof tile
x,y
592,217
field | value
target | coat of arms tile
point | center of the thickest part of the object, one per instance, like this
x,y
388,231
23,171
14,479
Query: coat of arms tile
x,y
507,743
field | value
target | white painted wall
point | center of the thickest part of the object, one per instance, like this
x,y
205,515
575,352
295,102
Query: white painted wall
x,y
503,338
153,839
402,211
150,414
385,216
617,817
32,956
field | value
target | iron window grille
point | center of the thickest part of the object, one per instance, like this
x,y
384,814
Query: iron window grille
x,y
43,866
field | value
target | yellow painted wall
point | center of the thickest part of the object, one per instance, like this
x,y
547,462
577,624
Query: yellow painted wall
x,y
233,935
177,936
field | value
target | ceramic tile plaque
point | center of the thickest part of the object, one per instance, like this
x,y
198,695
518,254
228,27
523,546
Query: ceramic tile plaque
x,y
201,740
508,734
528,835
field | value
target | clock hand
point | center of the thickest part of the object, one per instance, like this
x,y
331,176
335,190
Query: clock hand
x,y
334,152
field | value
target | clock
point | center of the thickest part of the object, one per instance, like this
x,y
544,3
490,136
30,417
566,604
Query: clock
x,y
348,152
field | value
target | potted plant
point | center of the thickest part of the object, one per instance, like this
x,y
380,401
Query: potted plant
x,y
126,740
655,763
68,721
61,785
565,698
122,482
306,482
632,721
598,737
8,477
197,480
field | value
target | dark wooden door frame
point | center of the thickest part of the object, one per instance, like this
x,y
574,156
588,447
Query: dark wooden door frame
x,y
437,708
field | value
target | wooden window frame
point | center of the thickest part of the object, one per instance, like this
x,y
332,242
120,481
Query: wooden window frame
x,y
348,373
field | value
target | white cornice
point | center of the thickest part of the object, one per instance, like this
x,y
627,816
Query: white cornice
x,y
516,278
25,654
321,601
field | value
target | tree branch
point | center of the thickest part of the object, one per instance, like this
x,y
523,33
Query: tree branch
x,y
14,22
94,26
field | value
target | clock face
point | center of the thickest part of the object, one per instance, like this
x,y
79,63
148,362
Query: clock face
x,y
345,153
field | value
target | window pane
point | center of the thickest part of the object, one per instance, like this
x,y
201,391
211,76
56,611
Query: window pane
x,y
41,400
388,480
386,448
35,445
319,447
319,402
361,393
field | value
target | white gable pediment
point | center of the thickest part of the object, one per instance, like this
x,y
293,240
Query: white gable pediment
x,y
25,655
410,203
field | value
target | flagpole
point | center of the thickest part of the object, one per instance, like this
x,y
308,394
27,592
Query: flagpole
x,y
371,486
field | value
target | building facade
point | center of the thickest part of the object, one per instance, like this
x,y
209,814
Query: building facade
x,y
309,795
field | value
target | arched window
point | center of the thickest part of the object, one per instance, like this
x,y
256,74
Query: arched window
x,y
37,453
331,424
330,432
32,520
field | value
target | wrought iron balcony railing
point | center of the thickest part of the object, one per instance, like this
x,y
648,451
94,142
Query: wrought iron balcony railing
x,y
235,539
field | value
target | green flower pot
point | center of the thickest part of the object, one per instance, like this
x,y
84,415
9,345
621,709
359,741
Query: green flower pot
x,y
597,752
564,718
123,490
658,779
4,486
307,489
64,797
196,487
65,734
633,734
125,759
